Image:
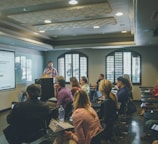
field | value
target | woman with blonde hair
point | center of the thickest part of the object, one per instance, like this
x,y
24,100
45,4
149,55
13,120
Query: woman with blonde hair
x,y
85,120
105,88
108,108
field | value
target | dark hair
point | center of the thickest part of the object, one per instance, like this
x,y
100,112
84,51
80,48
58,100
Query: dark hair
x,y
33,91
122,79
102,75
61,81
50,62
74,82
84,79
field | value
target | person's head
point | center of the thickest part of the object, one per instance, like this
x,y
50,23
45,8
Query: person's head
x,y
74,82
81,99
50,64
60,81
33,91
105,87
101,76
83,80
121,82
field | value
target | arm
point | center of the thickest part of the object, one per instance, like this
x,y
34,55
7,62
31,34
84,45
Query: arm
x,y
79,128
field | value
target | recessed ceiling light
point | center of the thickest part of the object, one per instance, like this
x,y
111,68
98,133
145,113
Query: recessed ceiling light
x,y
96,27
73,2
119,14
47,21
124,31
41,31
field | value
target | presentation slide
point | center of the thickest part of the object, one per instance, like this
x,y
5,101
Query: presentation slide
x,y
7,70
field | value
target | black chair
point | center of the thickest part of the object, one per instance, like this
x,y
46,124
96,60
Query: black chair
x,y
68,110
97,138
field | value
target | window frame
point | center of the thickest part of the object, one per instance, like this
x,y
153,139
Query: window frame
x,y
132,55
71,53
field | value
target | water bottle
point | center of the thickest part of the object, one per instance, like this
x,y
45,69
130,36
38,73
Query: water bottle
x,y
61,114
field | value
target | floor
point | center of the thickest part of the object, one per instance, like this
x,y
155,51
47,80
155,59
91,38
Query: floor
x,y
134,128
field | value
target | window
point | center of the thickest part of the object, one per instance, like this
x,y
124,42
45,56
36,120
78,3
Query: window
x,y
23,69
72,64
123,62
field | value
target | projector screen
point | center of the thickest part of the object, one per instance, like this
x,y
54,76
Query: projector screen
x,y
7,70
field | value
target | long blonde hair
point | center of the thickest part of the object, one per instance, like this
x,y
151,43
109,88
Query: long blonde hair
x,y
81,100
105,87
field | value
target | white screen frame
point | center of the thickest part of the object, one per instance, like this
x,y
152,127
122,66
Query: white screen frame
x,y
7,70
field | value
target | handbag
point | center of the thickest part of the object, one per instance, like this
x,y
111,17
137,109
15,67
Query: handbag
x,y
131,107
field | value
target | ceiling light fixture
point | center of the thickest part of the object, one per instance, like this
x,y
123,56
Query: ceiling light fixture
x,y
47,21
123,31
96,27
119,14
73,2
41,31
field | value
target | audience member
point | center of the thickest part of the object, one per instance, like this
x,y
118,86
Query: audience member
x,y
95,87
155,90
50,71
84,84
129,85
85,120
108,108
101,77
122,94
148,124
26,118
62,93
74,85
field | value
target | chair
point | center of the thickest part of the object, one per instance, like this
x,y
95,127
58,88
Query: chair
x,y
68,110
97,138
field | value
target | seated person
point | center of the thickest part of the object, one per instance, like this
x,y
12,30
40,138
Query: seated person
x,y
62,93
108,108
122,94
27,118
154,93
129,85
96,86
85,120
101,77
74,85
84,84
148,124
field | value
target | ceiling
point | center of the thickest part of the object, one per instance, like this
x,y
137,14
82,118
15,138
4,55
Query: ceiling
x,y
72,26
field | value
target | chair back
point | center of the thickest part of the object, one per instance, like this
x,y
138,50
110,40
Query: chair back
x,y
68,110
97,138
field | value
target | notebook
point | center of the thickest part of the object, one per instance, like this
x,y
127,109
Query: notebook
x,y
57,126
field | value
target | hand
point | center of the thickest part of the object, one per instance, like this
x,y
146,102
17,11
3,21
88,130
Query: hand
x,y
56,86
68,134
